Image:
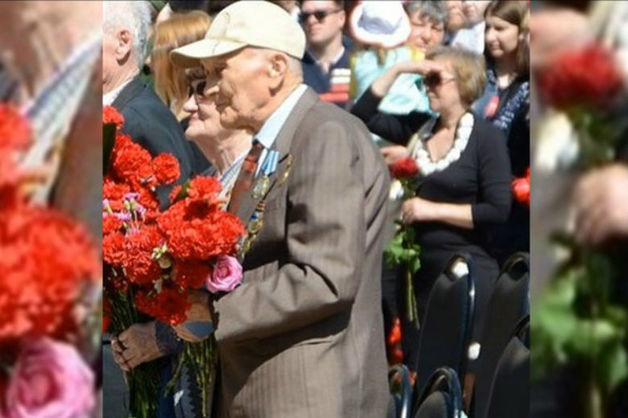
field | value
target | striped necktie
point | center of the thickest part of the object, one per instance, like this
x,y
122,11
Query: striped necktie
x,y
246,176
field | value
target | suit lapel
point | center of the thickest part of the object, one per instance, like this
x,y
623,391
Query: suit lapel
x,y
131,90
249,202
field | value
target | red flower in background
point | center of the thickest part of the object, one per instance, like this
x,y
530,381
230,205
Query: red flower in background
x,y
166,168
521,189
111,116
406,168
589,76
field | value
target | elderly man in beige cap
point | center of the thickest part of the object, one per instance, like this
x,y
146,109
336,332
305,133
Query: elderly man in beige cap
x,y
303,335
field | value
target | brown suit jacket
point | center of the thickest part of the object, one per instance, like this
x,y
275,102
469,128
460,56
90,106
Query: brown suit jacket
x,y
303,335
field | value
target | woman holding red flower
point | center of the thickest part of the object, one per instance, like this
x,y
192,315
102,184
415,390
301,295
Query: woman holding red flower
x,y
463,166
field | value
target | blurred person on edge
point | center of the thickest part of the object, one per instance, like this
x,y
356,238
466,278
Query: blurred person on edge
x,y
326,60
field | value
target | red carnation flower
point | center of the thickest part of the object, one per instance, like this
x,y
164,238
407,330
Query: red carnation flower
x,y
131,162
199,235
113,249
110,224
111,116
521,189
406,168
584,77
140,266
191,274
166,168
169,305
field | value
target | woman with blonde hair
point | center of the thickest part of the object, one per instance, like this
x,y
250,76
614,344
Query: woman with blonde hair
x,y
170,81
464,171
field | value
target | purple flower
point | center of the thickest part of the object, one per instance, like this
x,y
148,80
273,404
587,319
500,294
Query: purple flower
x,y
131,196
226,275
123,216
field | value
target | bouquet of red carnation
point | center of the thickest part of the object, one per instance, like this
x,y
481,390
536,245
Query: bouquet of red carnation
x,y
48,263
403,249
521,189
154,258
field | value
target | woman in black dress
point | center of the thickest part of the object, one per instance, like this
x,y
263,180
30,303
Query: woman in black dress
x,y
465,169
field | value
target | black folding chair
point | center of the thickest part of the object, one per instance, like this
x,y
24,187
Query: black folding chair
x,y
399,405
508,305
447,323
510,389
442,397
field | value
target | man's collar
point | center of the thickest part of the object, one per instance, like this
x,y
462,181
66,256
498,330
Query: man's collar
x,y
109,98
270,129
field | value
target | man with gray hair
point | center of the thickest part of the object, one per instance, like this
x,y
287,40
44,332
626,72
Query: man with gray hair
x,y
151,124
302,336
147,120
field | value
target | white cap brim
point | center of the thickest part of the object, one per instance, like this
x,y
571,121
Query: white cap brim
x,y
190,55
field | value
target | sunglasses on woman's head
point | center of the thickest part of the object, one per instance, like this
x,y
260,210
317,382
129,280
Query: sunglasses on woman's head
x,y
319,15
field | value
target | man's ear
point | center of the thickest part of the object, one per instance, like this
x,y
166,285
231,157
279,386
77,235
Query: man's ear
x,y
125,44
277,69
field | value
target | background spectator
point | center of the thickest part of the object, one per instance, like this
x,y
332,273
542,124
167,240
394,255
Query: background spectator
x,y
170,82
326,60
471,36
381,28
506,103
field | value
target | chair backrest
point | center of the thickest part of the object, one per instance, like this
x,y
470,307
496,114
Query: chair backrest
x,y
400,402
442,397
510,389
448,321
508,305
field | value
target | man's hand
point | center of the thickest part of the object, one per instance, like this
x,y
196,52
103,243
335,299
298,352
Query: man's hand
x,y
394,153
136,345
198,312
601,202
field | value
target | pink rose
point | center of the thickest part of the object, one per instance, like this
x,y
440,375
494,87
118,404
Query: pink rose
x,y
226,275
50,380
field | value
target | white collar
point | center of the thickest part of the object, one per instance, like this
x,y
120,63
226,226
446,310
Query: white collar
x,y
109,98
270,129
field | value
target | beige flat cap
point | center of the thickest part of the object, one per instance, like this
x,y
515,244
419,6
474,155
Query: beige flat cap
x,y
245,23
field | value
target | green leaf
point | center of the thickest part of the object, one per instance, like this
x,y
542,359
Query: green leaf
x,y
183,193
614,366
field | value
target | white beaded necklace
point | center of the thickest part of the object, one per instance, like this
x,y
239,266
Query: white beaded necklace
x,y
420,153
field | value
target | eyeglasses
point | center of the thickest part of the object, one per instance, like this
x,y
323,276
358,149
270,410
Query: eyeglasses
x,y
319,15
434,79
197,87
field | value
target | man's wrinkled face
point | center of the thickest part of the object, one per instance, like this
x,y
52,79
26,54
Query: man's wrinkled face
x,y
242,84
